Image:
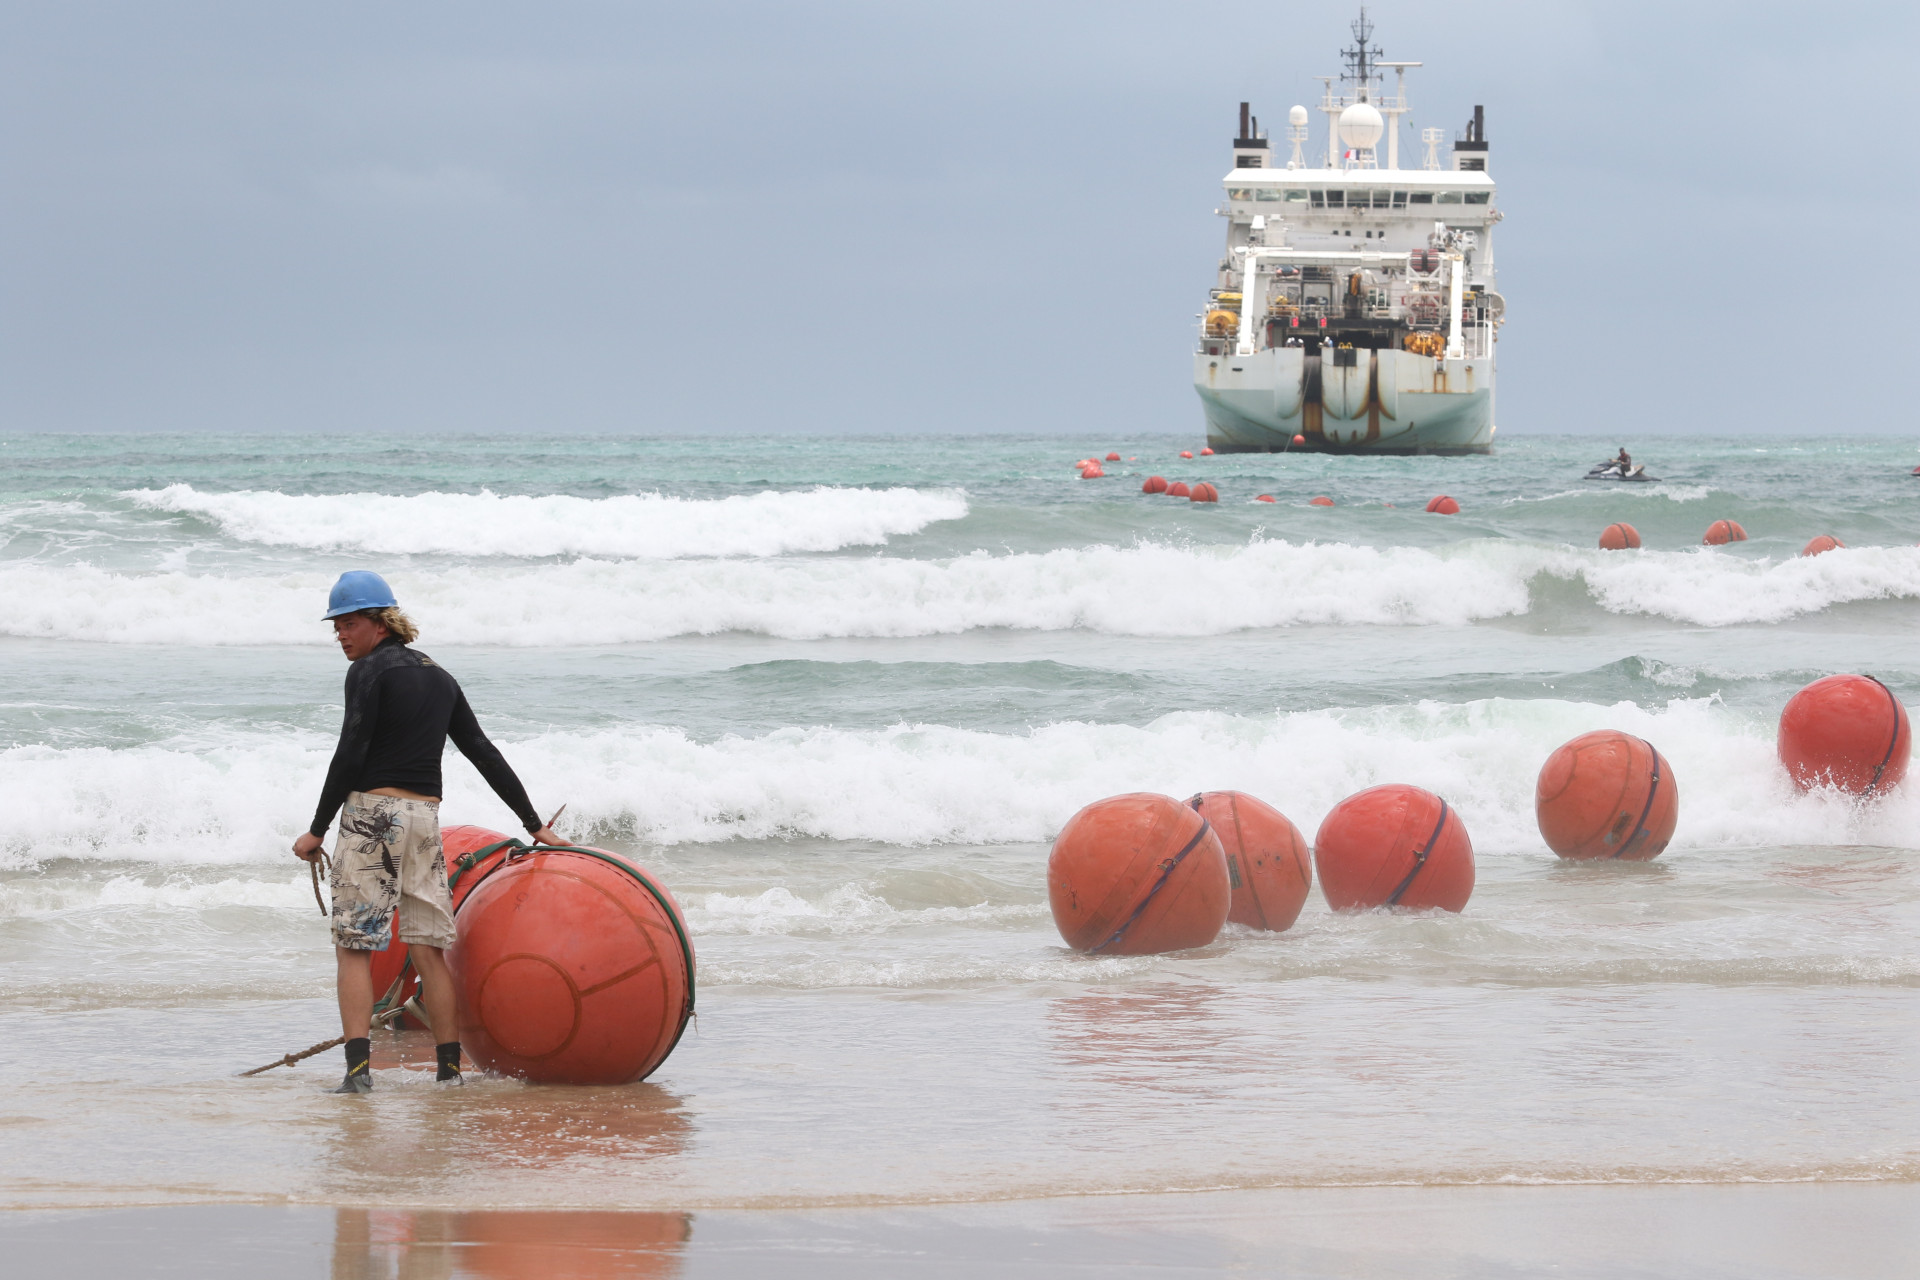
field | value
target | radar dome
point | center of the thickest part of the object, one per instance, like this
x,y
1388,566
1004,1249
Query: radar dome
x,y
1297,117
1361,126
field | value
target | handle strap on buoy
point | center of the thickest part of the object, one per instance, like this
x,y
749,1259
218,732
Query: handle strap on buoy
x,y
1165,872
1640,831
519,849
1420,858
1899,714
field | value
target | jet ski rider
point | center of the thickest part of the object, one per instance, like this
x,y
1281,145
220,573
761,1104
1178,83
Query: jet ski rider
x,y
1624,461
401,709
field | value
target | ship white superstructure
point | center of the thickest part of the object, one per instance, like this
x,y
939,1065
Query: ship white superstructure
x,y
1355,308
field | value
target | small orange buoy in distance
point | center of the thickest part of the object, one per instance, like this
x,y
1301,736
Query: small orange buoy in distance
x,y
1394,846
1322,501
572,966
1299,439
1268,865
1136,875
1443,506
1820,544
1619,537
1265,497
1154,484
1186,453
1093,471
1721,532
1113,457
1203,492
1178,489
1848,732
1207,452
1607,795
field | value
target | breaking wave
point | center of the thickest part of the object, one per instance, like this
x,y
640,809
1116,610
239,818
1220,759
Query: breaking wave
x,y
1152,589
245,800
635,526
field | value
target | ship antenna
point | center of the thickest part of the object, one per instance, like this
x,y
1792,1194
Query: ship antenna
x,y
1361,58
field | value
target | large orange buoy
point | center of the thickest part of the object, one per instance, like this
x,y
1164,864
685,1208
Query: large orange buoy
x,y
573,966
1443,506
1203,492
1848,732
1186,453
1721,532
1268,864
1207,452
1299,439
1113,457
1137,874
1265,497
1154,484
1619,537
1322,501
1822,543
471,853
1178,489
1607,795
1394,846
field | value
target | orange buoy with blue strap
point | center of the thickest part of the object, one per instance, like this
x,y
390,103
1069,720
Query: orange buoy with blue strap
x,y
1269,868
572,964
1203,492
1443,506
1721,532
1137,874
1394,846
1821,544
1846,731
1619,537
1321,501
1607,794
1154,484
1178,489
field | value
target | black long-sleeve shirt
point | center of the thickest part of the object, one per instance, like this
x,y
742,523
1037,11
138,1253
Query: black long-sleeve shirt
x,y
401,709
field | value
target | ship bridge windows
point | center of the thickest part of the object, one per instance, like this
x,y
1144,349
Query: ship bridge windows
x,y
1478,197
1446,197
1420,197
1296,195
1239,193
1266,193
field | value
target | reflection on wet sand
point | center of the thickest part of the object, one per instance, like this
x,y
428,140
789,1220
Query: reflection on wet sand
x,y
445,1244
440,1145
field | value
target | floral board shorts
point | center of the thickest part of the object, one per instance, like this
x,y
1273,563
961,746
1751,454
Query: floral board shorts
x,y
388,853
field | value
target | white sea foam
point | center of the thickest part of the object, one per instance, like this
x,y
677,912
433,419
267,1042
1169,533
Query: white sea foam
x,y
634,526
1148,590
929,784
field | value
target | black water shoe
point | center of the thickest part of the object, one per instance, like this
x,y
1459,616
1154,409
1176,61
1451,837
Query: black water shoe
x,y
356,1082
359,1067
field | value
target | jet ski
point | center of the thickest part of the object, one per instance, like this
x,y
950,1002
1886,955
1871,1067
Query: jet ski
x,y
1612,470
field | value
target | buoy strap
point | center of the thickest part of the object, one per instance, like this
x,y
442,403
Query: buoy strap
x,y
1893,740
1653,789
521,849
1420,856
1166,871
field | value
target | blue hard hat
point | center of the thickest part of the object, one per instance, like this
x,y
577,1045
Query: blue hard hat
x,y
359,589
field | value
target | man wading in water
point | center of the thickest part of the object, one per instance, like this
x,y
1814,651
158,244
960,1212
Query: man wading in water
x,y
401,709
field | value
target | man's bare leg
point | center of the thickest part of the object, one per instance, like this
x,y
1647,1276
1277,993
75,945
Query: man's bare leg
x,y
353,979
436,991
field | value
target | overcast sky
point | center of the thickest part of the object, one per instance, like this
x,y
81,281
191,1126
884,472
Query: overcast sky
x,y
682,218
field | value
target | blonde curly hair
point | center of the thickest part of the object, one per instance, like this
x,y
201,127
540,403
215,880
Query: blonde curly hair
x,y
395,621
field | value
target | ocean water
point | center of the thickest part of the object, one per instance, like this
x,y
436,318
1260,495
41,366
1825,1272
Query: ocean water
x,y
841,693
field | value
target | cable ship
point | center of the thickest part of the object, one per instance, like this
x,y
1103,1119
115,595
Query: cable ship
x,y
1354,309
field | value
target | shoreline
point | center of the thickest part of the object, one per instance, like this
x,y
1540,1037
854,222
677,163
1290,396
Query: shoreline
x,y
1754,1230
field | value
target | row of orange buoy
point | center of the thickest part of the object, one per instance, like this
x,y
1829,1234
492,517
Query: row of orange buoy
x,y
1143,873
1621,536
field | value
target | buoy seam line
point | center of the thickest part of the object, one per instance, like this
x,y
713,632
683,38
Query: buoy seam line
x,y
1653,789
1420,858
1899,714
1173,864
673,917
